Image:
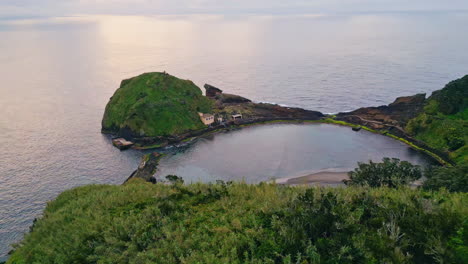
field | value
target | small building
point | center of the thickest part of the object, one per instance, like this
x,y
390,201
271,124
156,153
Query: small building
x,y
237,116
207,119
220,119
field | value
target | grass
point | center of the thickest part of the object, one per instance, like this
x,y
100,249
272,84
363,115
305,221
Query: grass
x,y
155,104
240,223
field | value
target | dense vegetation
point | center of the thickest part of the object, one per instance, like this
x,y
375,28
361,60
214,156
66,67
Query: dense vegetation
x,y
454,179
444,122
155,104
391,173
394,173
239,223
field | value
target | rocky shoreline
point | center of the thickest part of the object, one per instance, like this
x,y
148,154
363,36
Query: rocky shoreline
x,y
389,120
147,168
148,165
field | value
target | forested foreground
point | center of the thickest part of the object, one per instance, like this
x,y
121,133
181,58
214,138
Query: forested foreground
x,y
240,223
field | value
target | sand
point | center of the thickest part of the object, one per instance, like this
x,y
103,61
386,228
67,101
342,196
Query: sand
x,y
319,178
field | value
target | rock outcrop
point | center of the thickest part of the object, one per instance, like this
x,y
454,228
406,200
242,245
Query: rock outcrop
x,y
147,168
437,124
396,114
212,91
232,99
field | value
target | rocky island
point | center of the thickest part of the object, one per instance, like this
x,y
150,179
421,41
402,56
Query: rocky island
x,y
157,109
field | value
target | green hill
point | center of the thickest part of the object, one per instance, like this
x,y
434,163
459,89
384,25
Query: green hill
x,y
444,122
141,222
155,104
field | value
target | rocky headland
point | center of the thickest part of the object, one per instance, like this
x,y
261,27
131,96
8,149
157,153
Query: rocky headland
x,y
157,109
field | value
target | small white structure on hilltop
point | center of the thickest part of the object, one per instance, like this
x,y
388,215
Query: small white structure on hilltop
x,y
207,119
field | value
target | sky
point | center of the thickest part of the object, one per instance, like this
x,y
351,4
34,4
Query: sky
x,y
13,8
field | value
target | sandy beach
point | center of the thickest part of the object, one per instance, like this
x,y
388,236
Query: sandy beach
x,y
319,178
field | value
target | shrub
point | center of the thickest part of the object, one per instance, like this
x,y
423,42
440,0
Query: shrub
x,y
455,139
174,179
240,223
454,179
390,173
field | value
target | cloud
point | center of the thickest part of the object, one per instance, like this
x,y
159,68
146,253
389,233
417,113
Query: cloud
x,y
70,7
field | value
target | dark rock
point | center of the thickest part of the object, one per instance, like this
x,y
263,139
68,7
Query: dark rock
x,y
397,113
232,99
212,91
392,119
358,128
147,168
121,143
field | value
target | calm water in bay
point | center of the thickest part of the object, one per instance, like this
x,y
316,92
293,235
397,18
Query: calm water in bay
x,y
57,74
264,153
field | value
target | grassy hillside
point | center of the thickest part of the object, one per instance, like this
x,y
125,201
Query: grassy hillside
x,y
444,123
239,223
155,104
